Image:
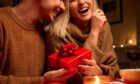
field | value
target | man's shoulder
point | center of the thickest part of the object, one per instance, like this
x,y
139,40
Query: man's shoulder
x,y
4,8
4,14
4,11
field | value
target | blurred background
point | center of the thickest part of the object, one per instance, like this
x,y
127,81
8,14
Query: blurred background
x,y
124,18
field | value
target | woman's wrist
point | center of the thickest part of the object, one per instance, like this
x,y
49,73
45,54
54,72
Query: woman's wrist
x,y
93,38
100,72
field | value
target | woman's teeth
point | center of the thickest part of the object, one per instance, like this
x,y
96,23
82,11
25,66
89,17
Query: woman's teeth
x,y
84,10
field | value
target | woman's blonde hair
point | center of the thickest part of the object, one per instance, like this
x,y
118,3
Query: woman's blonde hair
x,y
59,25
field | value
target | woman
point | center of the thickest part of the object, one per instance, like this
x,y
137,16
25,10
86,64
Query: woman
x,y
88,28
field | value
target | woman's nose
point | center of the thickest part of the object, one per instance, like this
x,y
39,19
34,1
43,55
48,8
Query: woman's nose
x,y
81,1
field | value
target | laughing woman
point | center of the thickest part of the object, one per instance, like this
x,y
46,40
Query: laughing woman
x,y
88,28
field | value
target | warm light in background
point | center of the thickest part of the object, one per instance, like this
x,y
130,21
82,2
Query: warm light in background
x,y
121,46
130,41
114,46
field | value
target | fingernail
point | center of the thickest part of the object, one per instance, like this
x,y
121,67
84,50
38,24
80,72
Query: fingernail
x,y
64,70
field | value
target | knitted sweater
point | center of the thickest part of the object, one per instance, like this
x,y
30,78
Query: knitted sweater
x,y
22,50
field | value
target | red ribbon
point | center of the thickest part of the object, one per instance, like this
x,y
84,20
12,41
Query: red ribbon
x,y
68,50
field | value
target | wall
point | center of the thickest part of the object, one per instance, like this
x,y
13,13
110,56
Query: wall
x,y
138,22
6,2
127,28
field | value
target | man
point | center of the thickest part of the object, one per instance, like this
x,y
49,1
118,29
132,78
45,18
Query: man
x,y
22,44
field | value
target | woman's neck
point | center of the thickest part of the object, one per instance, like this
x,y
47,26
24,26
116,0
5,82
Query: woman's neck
x,y
83,26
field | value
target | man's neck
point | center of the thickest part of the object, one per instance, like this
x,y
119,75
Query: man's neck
x,y
27,14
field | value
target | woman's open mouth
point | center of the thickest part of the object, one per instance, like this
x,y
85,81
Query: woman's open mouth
x,y
83,10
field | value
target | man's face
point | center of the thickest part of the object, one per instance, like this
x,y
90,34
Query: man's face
x,y
50,9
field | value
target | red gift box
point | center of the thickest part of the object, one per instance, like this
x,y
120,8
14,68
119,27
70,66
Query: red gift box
x,y
69,62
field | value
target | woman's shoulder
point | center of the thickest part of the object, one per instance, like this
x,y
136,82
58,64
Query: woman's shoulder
x,y
72,27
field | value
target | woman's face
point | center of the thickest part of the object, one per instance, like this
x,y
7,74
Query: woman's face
x,y
81,10
50,9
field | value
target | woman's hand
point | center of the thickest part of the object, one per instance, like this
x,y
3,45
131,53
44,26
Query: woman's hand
x,y
98,20
59,76
90,68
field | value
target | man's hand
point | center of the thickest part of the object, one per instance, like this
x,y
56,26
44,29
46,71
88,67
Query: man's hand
x,y
59,76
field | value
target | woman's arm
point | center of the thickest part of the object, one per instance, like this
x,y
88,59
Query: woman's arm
x,y
104,54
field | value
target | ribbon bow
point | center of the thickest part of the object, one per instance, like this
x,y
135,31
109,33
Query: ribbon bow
x,y
68,50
